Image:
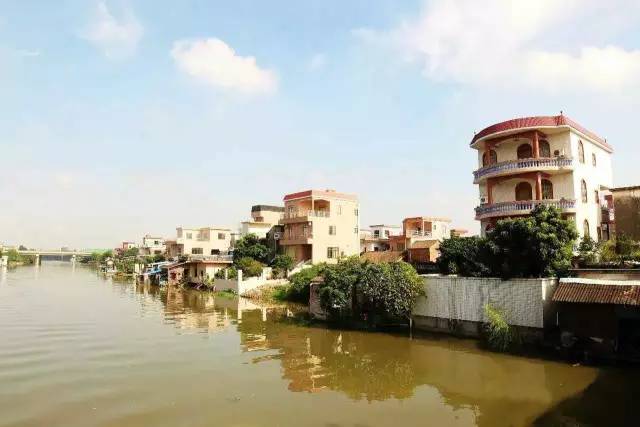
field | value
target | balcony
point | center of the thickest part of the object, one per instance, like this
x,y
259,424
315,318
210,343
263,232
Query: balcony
x,y
212,258
297,239
419,234
303,216
525,207
522,165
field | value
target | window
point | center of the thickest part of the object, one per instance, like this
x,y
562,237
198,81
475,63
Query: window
x,y
545,148
332,230
594,162
583,189
355,230
580,151
386,233
332,253
596,196
355,211
221,236
196,251
376,233
585,229
547,189
215,251
339,209
524,191
189,236
525,151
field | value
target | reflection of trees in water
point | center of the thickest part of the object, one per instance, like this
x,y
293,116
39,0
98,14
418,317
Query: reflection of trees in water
x,y
362,365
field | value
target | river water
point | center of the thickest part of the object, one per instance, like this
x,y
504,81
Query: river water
x,y
77,349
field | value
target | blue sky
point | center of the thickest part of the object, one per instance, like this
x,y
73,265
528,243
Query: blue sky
x,y
123,117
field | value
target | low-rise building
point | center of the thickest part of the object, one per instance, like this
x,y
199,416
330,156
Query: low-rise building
x,y
263,218
421,237
626,211
376,238
200,241
152,245
320,226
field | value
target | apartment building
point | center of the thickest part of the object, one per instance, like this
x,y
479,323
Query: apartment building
x,y
421,237
320,226
263,219
200,241
549,160
376,237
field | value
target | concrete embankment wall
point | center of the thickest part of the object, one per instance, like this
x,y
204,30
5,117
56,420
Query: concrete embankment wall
x,y
243,285
457,304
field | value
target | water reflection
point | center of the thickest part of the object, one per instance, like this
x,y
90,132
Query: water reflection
x,y
378,366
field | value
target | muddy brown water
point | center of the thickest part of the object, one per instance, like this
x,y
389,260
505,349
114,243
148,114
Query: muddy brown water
x,y
77,349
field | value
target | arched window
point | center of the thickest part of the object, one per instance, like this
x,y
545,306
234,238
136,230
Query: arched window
x,y
524,191
547,189
583,188
489,158
594,162
585,229
545,149
525,151
580,151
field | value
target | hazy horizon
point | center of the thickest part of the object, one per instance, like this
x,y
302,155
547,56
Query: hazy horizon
x,y
126,117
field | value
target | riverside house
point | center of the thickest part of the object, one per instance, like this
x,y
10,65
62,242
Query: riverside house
x,y
320,226
421,237
200,241
376,238
549,160
263,219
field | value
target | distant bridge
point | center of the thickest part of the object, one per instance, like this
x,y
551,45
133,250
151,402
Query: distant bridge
x,y
58,254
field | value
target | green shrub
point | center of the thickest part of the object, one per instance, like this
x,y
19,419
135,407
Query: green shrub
x,y
251,246
300,283
232,273
250,267
500,335
282,264
465,256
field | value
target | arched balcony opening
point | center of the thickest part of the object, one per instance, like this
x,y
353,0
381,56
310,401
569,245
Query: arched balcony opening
x,y
545,148
585,229
583,188
524,191
580,151
489,158
525,151
547,189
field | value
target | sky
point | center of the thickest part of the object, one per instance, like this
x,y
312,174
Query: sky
x,y
125,117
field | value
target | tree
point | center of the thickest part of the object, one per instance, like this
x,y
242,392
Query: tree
x,y
338,291
624,248
465,256
588,251
282,264
300,282
250,267
250,246
131,252
537,246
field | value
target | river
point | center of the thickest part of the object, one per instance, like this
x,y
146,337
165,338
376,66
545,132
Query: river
x,y
77,349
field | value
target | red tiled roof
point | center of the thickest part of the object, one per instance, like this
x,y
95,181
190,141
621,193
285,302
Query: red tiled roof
x,y
319,193
535,122
597,293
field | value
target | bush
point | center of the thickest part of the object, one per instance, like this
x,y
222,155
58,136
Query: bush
x,y
588,251
250,246
232,273
300,283
385,291
282,264
537,246
500,336
250,267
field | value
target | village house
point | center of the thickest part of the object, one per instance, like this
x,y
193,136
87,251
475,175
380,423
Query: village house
x,y
199,241
376,238
152,245
263,219
320,226
421,237
549,160
626,211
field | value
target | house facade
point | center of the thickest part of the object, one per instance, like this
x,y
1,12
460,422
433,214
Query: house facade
x,y
320,226
200,241
263,219
376,237
421,237
152,245
626,208
549,160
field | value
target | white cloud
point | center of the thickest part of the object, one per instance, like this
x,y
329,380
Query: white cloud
x,y
505,43
117,38
215,63
317,61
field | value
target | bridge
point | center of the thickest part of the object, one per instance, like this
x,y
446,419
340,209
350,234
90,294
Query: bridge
x,y
71,255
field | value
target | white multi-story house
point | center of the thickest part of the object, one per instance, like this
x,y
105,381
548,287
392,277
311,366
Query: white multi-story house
x,y
263,219
152,245
548,160
204,241
376,238
320,226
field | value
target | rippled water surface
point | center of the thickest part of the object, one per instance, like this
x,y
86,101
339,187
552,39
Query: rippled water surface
x,y
79,350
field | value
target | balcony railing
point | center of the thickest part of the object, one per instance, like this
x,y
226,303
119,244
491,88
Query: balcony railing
x,y
416,233
306,213
515,165
520,207
221,258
